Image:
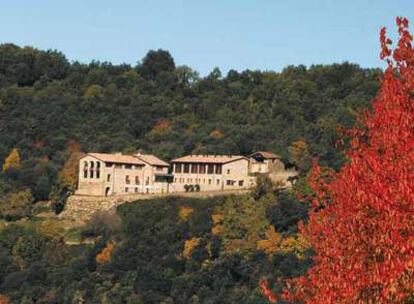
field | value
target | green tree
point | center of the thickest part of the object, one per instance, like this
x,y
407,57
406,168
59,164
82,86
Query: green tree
x,y
156,62
16,205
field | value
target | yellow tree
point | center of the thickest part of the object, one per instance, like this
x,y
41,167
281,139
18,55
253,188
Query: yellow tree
x,y
189,246
69,173
299,154
12,161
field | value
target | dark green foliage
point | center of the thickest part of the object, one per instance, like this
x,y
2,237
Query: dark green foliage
x,y
147,265
45,102
156,62
263,186
287,212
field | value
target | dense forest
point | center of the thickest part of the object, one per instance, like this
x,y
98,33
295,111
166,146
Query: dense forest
x,y
158,251
50,107
169,250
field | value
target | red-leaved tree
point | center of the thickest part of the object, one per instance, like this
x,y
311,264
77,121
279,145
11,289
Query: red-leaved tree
x,y
362,223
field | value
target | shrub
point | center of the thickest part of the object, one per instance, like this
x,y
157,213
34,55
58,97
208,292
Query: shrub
x,y
187,188
263,186
16,205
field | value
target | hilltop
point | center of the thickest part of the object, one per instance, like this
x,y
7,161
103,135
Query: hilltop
x,y
50,107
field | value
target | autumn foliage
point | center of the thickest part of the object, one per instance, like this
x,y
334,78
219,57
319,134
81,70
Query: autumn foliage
x,y
105,255
12,161
189,246
4,299
362,223
69,173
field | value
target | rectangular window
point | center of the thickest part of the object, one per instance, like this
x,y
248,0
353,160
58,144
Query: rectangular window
x,y
178,168
241,183
210,169
147,181
126,189
202,169
139,167
186,168
218,182
118,166
127,181
98,170
136,180
228,171
108,178
209,181
128,166
194,168
229,182
108,165
136,189
218,169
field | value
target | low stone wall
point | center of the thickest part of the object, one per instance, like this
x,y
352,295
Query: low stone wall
x,y
82,207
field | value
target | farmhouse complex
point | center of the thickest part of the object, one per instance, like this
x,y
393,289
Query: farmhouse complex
x,y
103,174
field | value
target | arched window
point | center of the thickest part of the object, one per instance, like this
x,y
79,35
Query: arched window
x,y
98,169
91,169
85,169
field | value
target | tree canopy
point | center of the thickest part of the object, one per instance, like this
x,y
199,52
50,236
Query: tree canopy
x,y
48,103
361,224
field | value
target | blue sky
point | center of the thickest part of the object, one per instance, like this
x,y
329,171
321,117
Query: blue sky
x,y
229,34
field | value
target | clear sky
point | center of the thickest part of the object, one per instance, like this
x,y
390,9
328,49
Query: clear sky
x,y
229,34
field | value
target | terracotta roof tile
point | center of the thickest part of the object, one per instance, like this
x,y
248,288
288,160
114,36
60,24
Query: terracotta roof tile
x,y
266,154
117,158
152,160
216,159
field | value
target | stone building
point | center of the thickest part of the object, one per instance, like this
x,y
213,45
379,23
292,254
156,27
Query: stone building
x,y
105,174
270,164
102,174
264,162
211,173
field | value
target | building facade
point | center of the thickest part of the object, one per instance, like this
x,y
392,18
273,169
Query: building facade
x,y
211,173
104,174
265,162
270,164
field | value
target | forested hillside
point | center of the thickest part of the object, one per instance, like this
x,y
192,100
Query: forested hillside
x,y
51,108
169,250
174,250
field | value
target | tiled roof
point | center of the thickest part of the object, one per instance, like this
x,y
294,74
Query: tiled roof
x,y
266,154
152,160
117,158
216,159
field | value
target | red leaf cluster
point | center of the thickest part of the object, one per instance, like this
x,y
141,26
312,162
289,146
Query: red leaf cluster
x,y
362,223
267,291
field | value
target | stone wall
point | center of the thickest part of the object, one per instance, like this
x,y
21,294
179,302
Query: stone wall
x,y
82,208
